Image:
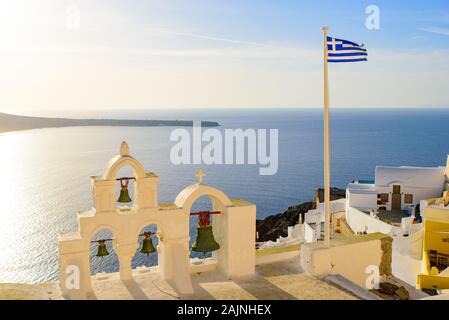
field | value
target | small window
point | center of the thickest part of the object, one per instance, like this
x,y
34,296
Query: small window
x,y
384,197
408,198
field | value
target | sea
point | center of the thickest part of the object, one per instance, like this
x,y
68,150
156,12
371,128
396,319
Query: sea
x,y
45,173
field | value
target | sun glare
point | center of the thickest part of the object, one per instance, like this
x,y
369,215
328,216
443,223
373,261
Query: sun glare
x,y
21,24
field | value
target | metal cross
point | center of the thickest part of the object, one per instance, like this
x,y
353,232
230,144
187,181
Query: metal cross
x,y
200,175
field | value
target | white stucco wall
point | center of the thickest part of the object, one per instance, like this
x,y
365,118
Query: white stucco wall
x,y
360,222
421,182
419,177
317,215
239,230
296,232
311,216
336,206
406,263
309,233
362,199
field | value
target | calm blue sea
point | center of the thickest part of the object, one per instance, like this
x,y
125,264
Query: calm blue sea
x,y
46,173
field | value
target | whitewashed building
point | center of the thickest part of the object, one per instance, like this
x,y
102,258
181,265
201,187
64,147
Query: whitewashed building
x,y
388,205
396,188
395,193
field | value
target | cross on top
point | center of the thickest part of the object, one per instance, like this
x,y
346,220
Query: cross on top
x,y
200,175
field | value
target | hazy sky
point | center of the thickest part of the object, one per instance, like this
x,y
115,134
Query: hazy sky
x,y
65,55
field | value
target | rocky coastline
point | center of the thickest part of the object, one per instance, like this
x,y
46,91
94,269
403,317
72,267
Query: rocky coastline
x,y
11,122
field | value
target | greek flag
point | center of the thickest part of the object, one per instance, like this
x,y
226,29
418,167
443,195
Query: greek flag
x,y
339,50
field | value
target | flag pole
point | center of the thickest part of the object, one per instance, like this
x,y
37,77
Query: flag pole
x,y
326,146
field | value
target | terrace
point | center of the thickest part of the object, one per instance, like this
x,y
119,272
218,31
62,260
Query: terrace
x,y
393,217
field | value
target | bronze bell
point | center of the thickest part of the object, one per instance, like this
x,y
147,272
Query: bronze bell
x,y
205,241
124,193
102,250
147,244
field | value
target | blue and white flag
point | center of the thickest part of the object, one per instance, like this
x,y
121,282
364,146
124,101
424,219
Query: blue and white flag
x,y
339,50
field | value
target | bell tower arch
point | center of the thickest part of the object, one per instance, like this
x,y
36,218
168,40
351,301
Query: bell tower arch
x,y
146,183
234,229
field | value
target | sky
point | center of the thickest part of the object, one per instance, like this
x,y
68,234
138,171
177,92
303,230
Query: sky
x,y
100,55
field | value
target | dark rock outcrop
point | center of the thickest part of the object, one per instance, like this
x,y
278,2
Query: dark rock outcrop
x,y
274,226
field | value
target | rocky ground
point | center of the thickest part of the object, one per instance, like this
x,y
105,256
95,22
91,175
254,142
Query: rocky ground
x,y
274,226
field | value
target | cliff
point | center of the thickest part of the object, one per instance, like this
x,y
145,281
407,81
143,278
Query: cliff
x,y
10,122
274,226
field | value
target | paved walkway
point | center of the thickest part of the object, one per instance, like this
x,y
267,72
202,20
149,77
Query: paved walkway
x,y
392,217
281,280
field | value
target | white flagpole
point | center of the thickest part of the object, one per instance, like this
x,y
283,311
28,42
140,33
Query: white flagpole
x,y
326,146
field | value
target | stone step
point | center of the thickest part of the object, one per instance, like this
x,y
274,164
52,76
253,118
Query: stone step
x,y
350,286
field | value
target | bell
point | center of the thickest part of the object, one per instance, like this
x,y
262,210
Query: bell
x,y
124,193
124,196
205,241
102,250
147,244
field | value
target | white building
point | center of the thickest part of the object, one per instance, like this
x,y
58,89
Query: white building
x,y
396,188
383,205
395,193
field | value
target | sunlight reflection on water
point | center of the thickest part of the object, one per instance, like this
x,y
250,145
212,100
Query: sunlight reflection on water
x,y
45,174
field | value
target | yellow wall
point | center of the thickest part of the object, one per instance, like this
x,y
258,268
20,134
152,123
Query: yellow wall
x,y
435,237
